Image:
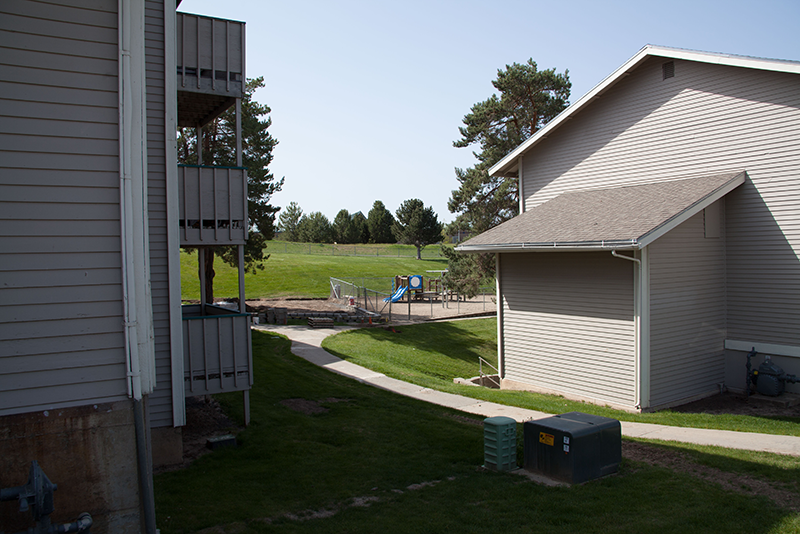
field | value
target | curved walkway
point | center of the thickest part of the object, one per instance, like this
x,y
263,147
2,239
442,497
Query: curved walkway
x,y
306,344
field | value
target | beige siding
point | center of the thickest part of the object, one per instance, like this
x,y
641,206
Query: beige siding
x,y
687,313
61,339
707,119
568,324
160,404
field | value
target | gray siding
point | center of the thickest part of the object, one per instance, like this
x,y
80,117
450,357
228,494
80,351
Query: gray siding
x,y
160,404
568,324
687,298
707,119
61,339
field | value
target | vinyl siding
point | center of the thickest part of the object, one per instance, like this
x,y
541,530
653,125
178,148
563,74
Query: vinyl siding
x,y
568,324
61,338
687,298
160,405
707,119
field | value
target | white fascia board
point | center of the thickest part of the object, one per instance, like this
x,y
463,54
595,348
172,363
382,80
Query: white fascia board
x,y
731,60
505,164
548,247
691,211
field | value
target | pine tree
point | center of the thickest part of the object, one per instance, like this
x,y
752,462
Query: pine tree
x,y
417,225
528,99
289,220
379,222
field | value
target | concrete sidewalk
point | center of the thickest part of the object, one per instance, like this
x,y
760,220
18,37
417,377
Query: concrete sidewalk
x,y
306,344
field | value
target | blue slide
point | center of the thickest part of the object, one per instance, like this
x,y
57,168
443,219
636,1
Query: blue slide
x,y
397,295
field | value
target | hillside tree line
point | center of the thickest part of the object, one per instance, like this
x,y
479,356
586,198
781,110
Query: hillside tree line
x,y
412,224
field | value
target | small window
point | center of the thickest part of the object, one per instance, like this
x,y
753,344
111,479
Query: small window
x,y
668,69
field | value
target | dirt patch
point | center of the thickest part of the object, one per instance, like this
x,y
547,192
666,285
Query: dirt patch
x,y
305,406
309,407
420,311
204,420
732,403
297,306
735,482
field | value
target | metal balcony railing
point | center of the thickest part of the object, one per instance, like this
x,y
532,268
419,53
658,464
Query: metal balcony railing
x,y
213,205
217,350
211,67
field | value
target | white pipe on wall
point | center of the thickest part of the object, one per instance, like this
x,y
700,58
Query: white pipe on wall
x,y
125,203
137,310
642,343
137,307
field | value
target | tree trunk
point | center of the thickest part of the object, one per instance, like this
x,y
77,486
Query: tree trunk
x,y
419,251
208,266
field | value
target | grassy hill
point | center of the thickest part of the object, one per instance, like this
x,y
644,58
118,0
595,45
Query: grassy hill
x,y
307,275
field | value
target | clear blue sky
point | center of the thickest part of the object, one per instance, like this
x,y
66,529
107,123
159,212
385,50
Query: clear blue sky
x,y
367,96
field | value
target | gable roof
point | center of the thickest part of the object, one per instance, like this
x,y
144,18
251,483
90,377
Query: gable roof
x,y
629,217
508,165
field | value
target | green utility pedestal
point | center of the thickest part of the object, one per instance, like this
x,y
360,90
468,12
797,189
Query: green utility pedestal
x,y
500,443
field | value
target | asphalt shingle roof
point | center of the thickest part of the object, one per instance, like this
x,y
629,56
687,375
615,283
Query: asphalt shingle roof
x,y
618,217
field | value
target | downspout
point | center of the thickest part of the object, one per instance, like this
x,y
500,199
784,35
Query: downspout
x,y
134,377
520,187
640,367
501,366
129,275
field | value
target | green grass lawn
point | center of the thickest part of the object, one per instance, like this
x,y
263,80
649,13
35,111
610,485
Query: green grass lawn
x,y
379,462
432,354
302,275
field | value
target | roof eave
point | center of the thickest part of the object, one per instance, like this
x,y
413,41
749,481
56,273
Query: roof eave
x,y
627,244
691,211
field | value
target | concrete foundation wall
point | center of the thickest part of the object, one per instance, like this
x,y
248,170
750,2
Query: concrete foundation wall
x,y
88,451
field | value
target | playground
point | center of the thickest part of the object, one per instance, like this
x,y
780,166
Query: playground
x,y
409,298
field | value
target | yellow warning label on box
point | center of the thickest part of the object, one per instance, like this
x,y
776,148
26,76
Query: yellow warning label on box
x,y
547,439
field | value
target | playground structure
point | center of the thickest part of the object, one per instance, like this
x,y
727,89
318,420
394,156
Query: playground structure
x,y
414,286
407,296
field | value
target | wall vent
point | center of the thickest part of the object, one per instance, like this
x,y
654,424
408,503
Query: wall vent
x,y
668,69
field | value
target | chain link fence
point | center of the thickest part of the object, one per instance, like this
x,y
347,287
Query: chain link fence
x,y
431,252
423,305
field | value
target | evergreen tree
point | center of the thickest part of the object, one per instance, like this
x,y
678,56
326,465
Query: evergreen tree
x,y
528,99
359,229
342,224
315,228
379,222
289,220
417,225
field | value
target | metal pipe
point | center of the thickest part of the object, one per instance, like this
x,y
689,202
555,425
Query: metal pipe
x,y
614,253
145,467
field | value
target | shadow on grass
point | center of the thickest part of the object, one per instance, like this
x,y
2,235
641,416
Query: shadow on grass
x,y
454,340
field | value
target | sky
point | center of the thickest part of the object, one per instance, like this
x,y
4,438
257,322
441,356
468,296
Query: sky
x,y
367,96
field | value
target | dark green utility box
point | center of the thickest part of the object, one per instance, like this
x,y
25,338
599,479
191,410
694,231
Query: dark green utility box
x,y
500,443
573,447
